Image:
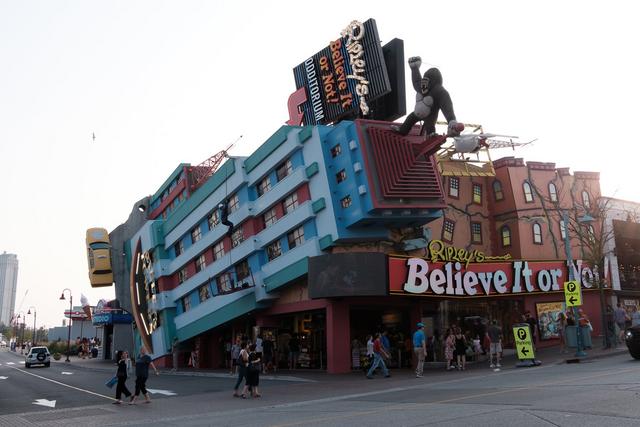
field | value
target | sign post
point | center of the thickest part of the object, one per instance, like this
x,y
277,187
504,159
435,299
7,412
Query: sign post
x,y
572,293
524,346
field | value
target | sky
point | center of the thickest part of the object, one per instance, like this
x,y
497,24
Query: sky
x,y
166,82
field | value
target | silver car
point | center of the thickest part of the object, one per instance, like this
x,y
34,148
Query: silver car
x,y
38,356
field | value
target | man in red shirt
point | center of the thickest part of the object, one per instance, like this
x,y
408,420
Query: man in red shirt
x,y
379,353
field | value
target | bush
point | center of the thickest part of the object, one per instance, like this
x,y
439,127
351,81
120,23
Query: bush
x,y
56,356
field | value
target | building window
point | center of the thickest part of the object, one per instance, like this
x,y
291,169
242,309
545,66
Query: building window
x,y
201,263
528,194
454,187
213,219
204,292
506,236
233,204
182,275
242,270
290,203
476,232
224,283
586,203
218,251
477,193
563,230
196,234
296,237
179,248
263,186
537,234
553,192
345,202
284,170
591,234
269,217
447,230
237,237
186,303
274,250
497,190
336,150
341,176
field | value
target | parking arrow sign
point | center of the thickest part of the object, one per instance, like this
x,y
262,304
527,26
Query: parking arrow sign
x,y
572,293
523,342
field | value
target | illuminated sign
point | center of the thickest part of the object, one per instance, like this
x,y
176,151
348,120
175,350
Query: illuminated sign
x,y
418,276
343,78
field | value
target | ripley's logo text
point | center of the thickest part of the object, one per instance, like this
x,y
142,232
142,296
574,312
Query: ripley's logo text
x,y
438,251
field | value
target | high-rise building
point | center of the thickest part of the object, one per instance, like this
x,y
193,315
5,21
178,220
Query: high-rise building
x,y
8,284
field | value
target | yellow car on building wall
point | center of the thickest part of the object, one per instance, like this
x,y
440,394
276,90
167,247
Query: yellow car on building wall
x,y
99,257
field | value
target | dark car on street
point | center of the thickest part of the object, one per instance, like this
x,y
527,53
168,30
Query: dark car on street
x,y
632,337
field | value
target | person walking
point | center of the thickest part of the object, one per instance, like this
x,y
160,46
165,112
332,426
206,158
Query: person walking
x,y
449,348
495,347
561,326
235,353
294,351
461,350
242,364
121,373
379,354
635,316
419,348
267,354
142,374
369,351
253,373
620,316
175,354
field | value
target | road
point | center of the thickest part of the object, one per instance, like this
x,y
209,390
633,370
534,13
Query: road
x,y
601,392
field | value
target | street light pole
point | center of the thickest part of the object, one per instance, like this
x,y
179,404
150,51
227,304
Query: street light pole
x,y
567,248
70,308
34,338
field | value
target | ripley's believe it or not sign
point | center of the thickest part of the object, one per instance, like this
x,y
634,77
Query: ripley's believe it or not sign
x,y
453,272
342,78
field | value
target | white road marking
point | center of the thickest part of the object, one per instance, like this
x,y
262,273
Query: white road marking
x,y
62,384
165,392
67,373
3,378
10,363
45,402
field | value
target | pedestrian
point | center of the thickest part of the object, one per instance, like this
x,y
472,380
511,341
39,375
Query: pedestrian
x,y
611,328
620,316
495,347
386,344
175,353
449,347
533,327
253,373
369,350
635,316
259,347
379,354
142,373
121,373
461,350
235,353
419,348
561,326
294,351
242,364
267,354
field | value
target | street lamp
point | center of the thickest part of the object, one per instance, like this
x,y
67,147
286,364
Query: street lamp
x,y
70,308
21,325
34,338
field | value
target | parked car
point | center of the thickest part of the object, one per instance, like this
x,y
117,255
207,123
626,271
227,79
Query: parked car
x,y
632,338
38,356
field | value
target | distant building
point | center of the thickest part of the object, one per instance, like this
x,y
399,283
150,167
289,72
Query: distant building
x,y
8,284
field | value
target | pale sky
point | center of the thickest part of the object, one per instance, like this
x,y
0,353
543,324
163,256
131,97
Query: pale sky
x,y
165,82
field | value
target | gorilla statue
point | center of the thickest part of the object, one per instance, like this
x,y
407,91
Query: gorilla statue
x,y
431,97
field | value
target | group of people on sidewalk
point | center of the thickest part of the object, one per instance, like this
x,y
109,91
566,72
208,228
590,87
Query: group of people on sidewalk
x,y
142,363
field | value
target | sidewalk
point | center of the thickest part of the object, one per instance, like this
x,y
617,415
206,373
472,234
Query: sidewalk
x,y
550,355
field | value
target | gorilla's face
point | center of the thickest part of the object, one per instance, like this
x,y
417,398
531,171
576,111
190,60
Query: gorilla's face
x,y
424,85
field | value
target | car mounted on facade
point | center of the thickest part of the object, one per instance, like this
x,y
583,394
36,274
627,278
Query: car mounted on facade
x,y
632,338
99,257
38,356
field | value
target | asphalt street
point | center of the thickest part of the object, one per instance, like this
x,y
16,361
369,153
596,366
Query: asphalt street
x,y
600,392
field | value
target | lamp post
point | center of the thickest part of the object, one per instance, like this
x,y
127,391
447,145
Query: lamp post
x,y
567,248
21,325
34,338
70,308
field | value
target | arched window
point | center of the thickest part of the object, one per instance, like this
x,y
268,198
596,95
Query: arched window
x,y
528,194
592,233
497,190
506,236
585,200
563,230
537,233
553,192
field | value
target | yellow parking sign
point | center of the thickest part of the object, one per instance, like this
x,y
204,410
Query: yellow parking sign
x,y
523,343
572,293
